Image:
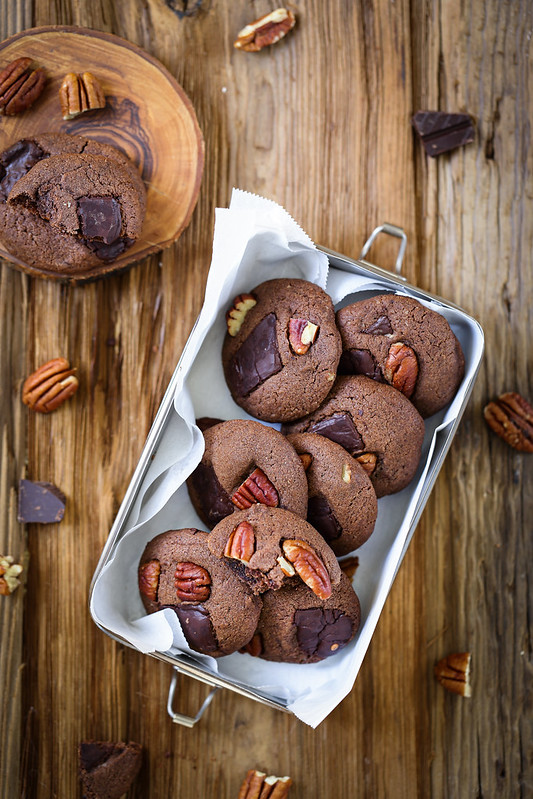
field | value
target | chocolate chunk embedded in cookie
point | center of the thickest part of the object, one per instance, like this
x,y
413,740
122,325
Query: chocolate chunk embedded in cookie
x,y
246,462
396,339
282,349
376,424
269,547
217,611
296,626
342,503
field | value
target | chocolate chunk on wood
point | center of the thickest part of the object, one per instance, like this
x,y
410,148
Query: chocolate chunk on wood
x,y
441,131
108,769
40,502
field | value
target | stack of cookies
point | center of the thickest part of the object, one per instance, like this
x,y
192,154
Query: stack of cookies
x,y
68,204
351,391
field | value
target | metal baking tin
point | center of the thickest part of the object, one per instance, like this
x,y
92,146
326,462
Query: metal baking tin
x,y
182,664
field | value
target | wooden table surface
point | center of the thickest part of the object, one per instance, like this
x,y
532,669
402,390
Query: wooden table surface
x,y
321,124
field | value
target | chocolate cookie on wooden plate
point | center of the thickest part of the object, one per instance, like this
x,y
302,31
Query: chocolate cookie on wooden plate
x,y
342,503
282,349
397,340
246,462
376,424
295,626
270,547
29,237
217,612
98,202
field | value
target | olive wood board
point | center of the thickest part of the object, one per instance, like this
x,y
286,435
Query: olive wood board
x,y
147,116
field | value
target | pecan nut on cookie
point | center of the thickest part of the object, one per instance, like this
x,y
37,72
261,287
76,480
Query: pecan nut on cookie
x,y
282,349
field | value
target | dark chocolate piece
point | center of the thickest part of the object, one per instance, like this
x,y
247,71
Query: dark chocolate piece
x,y
322,632
216,501
100,218
339,428
197,627
15,162
108,252
360,362
441,131
381,327
107,770
257,358
40,502
320,515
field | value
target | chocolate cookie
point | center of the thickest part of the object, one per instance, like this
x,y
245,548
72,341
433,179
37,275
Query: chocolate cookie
x,y
25,234
108,769
282,349
376,424
270,547
246,462
93,199
217,612
342,503
396,339
295,626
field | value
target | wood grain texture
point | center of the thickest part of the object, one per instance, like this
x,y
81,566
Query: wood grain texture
x,y
319,123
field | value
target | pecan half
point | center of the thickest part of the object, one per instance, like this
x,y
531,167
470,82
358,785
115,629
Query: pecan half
x,y
235,316
511,417
193,582
349,566
79,93
48,387
308,566
265,30
9,574
256,489
368,461
401,368
254,647
453,673
302,333
306,459
20,86
241,543
149,579
257,785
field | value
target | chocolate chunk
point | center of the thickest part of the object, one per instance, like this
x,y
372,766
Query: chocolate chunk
x,y
205,422
257,358
441,131
339,428
197,628
100,218
320,515
108,252
381,327
40,502
107,770
16,162
360,362
322,632
216,501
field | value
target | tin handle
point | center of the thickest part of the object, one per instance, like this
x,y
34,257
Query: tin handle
x,y
179,718
391,230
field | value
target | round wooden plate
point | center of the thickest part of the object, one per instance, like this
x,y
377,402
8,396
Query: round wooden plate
x,y
147,115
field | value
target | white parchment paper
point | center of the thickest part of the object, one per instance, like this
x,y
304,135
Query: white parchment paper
x,y
256,240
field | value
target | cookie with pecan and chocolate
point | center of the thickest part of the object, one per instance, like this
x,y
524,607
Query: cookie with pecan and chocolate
x,y
217,612
246,462
397,340
296,626
271,547
27,236
376,424
282,349
342,503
